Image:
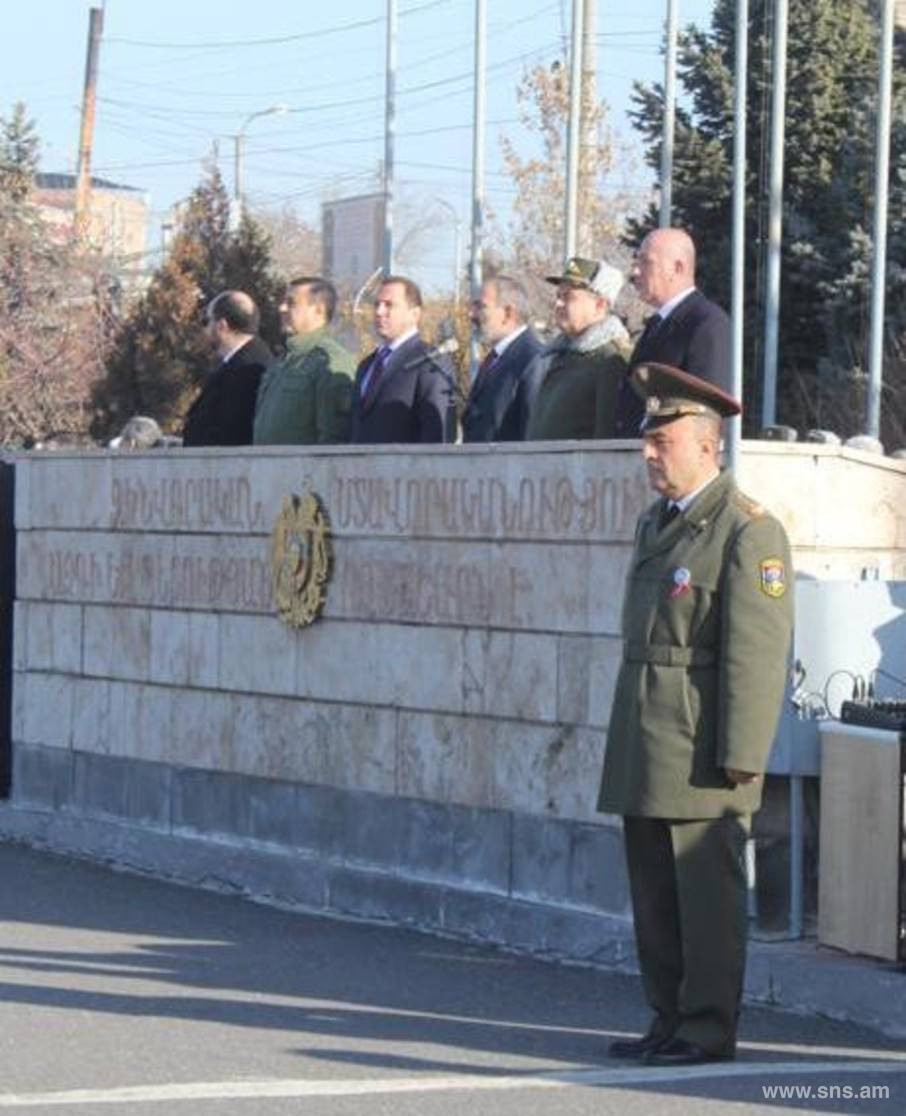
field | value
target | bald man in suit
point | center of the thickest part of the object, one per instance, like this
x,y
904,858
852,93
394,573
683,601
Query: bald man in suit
x,y
686,330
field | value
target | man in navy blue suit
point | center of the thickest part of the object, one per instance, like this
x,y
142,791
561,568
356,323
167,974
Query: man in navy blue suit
x,y
497,407
686,330
401,394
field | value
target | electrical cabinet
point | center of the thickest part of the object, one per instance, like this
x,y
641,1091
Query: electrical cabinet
x,y
846,632
860,867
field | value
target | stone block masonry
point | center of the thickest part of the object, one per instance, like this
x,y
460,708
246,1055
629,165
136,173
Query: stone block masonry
x,y
429,750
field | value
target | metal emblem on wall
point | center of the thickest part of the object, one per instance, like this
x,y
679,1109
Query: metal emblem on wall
x,y
301,559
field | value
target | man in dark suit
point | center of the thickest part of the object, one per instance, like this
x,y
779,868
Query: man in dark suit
x,y
401,394
223,413
686,330
497,407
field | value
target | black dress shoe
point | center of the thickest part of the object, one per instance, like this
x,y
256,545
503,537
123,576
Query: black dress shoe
x,y
680,1052
637,1047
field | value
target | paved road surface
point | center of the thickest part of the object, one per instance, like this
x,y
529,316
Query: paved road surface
x,y
120,994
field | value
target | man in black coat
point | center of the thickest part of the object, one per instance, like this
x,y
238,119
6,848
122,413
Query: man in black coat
x,y
401,394
497,407
223,413
686,330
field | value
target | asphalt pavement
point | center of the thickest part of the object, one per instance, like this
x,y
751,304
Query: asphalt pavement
x,y
122,994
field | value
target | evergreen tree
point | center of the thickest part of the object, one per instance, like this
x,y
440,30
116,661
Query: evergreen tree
x,y
161,353
248,267
18,155
829,154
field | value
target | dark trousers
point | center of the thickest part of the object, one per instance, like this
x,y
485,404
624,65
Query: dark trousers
x,y
688,886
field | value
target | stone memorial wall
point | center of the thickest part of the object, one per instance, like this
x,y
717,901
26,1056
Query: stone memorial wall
x,y
429,749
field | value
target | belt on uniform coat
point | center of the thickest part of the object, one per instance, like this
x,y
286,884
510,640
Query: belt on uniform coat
x,y
662,654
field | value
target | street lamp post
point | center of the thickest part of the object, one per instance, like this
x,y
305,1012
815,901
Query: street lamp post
x,y
238,145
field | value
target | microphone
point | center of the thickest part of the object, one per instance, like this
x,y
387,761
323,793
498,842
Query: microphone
x,y
444,348
431,358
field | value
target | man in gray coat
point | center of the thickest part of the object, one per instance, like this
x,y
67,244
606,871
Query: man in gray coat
x,y
707,621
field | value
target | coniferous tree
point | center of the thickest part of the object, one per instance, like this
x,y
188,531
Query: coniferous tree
x,y
18,155
161,353
248,266
832,75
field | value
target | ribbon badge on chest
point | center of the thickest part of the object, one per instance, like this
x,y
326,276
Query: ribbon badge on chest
x,y
682,583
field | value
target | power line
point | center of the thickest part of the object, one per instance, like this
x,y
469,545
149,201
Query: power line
x,y
109,168
302,35
349,102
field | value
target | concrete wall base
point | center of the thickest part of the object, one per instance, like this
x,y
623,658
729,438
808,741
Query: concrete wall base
x,y
292,879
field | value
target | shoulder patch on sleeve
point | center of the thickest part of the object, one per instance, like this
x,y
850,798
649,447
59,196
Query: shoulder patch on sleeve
x,y
772,575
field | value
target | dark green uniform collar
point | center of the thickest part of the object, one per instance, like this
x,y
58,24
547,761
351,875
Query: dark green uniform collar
x,y
702,507
301,342
695,518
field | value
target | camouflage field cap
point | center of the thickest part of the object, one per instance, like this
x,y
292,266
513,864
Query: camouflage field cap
x,y
670,393
597,276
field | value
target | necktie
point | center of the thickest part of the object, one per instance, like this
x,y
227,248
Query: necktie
x,y
375,372
648,333
669,512
484,370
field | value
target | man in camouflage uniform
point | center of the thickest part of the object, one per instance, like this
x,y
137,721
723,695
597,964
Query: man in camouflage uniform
x,y
305,399
707,621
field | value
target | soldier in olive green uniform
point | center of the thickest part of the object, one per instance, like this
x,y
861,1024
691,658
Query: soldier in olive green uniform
x,y
707,621
306,398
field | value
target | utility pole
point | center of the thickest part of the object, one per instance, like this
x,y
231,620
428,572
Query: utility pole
x,y
775,215
666,213
879,255
733,426
86,134
573,128
389,135
588,152
478,168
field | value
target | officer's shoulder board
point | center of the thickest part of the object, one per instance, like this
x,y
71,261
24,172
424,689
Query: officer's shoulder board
x,y
750,507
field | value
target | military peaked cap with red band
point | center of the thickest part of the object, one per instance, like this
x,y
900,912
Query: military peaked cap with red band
x,y
670,393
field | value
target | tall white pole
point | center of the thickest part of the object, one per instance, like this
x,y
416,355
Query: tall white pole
x,y
733,428
775,216
666,213
588,161
389,135
478,166
573,135
879,260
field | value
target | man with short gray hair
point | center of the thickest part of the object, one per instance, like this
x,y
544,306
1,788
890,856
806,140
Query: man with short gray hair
x,y
497,407
574,383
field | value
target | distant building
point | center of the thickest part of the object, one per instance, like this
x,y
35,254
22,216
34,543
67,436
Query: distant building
x,y
118,222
